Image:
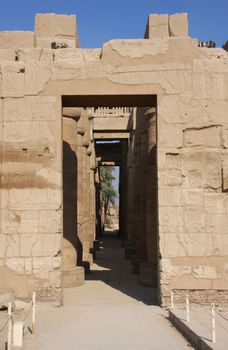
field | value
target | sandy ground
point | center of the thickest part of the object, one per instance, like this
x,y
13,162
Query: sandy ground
x,y
110,311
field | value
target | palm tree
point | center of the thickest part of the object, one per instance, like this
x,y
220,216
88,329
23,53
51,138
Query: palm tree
x,y
108,193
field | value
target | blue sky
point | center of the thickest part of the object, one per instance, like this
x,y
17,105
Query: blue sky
x,y
101,20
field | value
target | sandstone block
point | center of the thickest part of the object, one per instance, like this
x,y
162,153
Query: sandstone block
x,y
173,177
10,245
16,40
225,136
7,55
50,28
6,297
37,74
16,264
36,54
191,244
1,112
91,55
225,176
205,272
193,197
40,245
169,196
210,79
42,263
178,24
203,169
28,131
135,48
194,219
74,277
170,135
206,137
2,245
118,123
55,278
168,269
13,79
173,81
30,108
50,221
216,221
158,26
216,202
171,216
20,222
74,56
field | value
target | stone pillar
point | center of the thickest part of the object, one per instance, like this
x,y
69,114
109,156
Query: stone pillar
x,y
87,240
72,275
142,184
137,187
151,184
98,206
148,269
80,213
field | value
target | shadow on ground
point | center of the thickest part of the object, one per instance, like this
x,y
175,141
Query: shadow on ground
x,y
113,269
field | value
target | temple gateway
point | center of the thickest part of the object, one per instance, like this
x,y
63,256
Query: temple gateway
x,y
157,108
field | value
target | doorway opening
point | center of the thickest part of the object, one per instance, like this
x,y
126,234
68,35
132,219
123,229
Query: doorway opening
x,y
116,134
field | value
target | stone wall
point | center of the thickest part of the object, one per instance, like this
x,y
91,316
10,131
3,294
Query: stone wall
x,y
31,188
191,152
193,202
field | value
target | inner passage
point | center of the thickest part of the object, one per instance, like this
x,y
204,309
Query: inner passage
x,y
109,183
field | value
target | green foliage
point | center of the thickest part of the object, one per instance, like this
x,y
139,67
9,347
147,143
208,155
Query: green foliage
x,y
108,193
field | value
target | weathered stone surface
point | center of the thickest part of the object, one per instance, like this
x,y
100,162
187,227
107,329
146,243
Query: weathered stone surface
x,y
206,137
51,28
178,24
16,40
171,216
205,272
74,277
225,175
36,54
74,56
170,196
32,108
210,78
118,123
225,136
7,55
40,245
134,48
171,135
158,26
91,55
172,82
13,79
179,244
202,169
6,297
37,75
174,162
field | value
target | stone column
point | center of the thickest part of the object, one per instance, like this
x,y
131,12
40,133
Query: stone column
x,y
80,213
142,184
88,237
72,275
148,269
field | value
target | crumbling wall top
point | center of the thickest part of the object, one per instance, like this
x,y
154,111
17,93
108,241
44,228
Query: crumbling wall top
x,y
164,26
60,29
